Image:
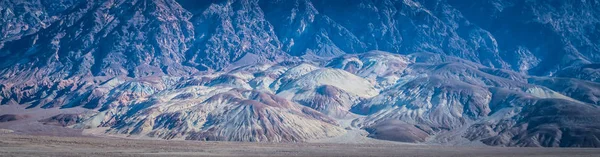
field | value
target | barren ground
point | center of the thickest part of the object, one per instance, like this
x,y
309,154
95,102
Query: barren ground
x,y
27,145
27,137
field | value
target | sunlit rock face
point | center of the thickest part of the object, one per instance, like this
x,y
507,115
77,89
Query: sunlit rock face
x,y
495,72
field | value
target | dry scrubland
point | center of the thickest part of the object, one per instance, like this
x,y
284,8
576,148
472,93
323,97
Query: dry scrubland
x,y
29,145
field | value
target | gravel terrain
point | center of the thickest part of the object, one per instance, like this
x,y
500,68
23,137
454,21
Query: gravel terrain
x,y
29,145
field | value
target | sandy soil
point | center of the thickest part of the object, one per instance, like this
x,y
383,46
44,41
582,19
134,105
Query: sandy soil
x,y
31,125
28,145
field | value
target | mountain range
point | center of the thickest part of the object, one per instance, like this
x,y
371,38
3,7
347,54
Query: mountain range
x,y
493,72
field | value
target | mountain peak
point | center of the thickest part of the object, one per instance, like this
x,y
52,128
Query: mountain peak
x,y
498,72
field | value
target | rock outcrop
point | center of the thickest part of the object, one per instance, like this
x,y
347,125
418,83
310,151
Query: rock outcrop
x,y
498,72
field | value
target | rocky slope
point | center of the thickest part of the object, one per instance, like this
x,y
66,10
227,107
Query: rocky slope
x,y
498,72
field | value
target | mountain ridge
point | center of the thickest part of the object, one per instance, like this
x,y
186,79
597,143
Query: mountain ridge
x,y
521,73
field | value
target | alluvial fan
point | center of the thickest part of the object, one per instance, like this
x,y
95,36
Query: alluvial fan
x,y
494,72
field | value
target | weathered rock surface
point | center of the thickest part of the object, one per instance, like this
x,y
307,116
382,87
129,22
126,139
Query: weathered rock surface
x,y
498,72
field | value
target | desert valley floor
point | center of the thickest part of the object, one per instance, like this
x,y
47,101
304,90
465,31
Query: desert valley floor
x,y
27,145
28,137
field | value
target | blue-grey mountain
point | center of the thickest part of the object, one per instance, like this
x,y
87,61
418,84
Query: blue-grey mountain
x,y
494,72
